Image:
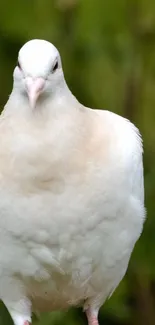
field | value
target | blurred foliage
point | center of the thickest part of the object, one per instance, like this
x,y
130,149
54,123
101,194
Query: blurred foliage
x,y
108,54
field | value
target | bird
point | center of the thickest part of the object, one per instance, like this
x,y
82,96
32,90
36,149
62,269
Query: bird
x,y
71,193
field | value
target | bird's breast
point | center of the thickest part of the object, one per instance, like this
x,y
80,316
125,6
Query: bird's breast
x,y
68,217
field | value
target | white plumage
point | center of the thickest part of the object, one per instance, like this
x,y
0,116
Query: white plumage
x,y
71,193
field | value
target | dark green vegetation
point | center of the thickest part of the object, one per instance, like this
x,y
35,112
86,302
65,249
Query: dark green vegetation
x,y
108,54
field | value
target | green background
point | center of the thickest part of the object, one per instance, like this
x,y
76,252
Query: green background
x,y
108,55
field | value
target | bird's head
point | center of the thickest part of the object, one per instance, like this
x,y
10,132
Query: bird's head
x,y
39,71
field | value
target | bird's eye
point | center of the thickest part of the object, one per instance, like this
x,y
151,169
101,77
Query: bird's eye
x,y
19,66
55,67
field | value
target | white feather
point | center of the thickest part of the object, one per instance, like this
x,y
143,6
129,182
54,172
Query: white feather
x,y
71,196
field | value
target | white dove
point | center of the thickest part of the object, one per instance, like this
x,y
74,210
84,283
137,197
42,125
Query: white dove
x,y
71,193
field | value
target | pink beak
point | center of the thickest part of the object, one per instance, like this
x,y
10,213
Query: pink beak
x,y
34,88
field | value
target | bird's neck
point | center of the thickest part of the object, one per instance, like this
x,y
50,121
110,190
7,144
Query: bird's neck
x,y
48,106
